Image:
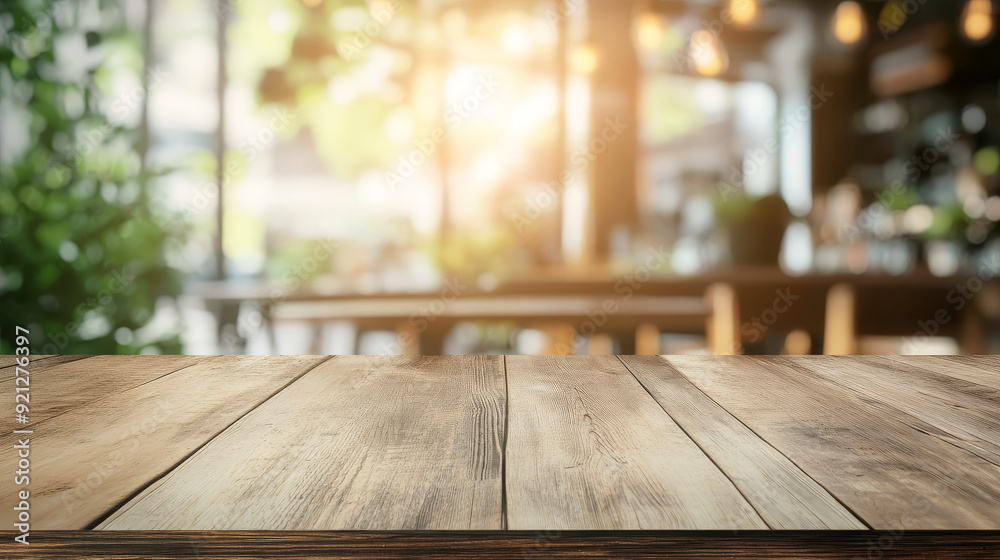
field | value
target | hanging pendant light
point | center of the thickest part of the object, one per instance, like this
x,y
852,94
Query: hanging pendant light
x,y
584,58
977,20
648,27
849,23
743,12
708,53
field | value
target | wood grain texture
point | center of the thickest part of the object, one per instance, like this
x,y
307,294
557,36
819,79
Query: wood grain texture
x,y
35,364
10,360
359,443
780,492
58,387
984,370
588,448
882,464
87,461
508,545
965,414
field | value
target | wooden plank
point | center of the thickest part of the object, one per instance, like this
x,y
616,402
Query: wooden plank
x,y
984,370
964,414
780,492
509,545
883,465
588,448
10,360
492,308
55,389
88,460
359,443
7,366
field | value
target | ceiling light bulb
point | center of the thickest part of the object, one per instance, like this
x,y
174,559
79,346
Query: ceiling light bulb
x,y
977,19
584,59
649,31
849,22
707,53
743,11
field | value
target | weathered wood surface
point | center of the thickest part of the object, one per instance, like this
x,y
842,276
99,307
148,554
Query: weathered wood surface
x,y
780,492
890,468
359,443
8,363
588,448
88,460
56,386
519,443
966,414
984,370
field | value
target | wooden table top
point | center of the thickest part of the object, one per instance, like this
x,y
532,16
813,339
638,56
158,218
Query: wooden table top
x,y
492,308
518,443
598,281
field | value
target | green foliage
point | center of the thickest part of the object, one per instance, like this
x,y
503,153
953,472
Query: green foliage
x,y
469,253
731,205
301,67
898,198
82,246
949,223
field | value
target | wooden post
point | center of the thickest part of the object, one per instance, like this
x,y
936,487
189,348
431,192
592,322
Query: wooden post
x,y
600,345
559,338
647,340
973,334
409,338
220,137
148,63
316,342
561,161
839,336
614,141
723,323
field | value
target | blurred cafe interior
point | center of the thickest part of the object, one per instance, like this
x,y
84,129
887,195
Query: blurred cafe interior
x,y
502,176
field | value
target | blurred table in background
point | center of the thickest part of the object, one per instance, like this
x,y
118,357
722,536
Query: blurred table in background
x,y
739,306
